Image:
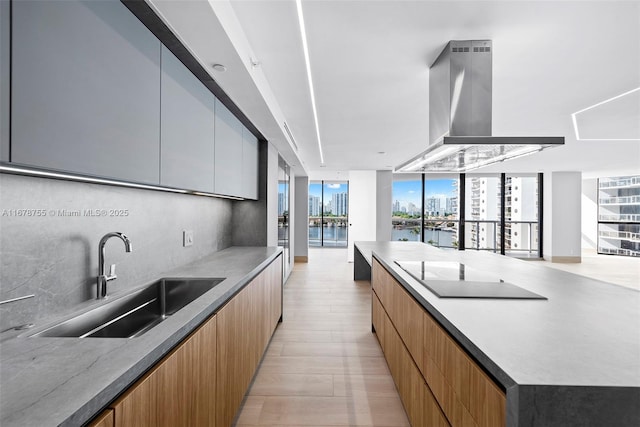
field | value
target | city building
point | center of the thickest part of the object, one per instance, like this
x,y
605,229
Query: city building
x,y
521,214
314,206
339,204
619,215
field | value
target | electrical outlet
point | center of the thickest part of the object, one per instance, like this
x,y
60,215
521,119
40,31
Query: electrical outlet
x,y
187,238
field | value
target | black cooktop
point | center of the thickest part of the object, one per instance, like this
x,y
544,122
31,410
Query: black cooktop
x,y
456,280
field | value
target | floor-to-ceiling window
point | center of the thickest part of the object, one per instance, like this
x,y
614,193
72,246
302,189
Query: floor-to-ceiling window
x,y
619,215
482,212
441,217
284,183
406,217
521,215
328,213
497,212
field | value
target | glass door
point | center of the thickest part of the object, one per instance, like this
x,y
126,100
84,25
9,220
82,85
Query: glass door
x,y
283,211
328,213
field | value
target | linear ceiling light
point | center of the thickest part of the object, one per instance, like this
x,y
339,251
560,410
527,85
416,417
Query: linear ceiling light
x,y
305,48
575,121
461,154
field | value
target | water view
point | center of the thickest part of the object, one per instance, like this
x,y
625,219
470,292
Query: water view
x,y
444,238
333,236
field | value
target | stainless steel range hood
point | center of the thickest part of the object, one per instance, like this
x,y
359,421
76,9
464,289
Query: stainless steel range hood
x,y
460,102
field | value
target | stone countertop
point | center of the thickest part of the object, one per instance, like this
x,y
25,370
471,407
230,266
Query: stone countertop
x,y
585,336
67,381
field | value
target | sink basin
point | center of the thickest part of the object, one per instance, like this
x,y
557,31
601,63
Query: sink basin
x,y
134,314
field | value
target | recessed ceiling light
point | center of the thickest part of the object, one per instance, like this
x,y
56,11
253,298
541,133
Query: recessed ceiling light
x,y
219,67
382,152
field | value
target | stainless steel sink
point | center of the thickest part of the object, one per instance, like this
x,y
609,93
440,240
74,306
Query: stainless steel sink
x,y
134,314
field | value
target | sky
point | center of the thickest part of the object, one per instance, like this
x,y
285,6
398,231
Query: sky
x,y
315,189
410,191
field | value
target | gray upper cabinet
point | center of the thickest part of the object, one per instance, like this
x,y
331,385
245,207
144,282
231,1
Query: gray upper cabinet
x,y
187,128
228,152
85,90
4,79
249,165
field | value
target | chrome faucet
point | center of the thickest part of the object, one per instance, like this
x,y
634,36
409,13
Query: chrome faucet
x,y
102,278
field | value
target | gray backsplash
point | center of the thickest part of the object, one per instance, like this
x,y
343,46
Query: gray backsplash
x,y
54,255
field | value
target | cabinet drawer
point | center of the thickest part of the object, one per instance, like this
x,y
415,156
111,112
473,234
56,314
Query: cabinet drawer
x,y
407,319
377,313
456,385
105,419
179,390
420,405
462,386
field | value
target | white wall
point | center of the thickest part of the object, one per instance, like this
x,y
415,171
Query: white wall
x,y
362,208
562,217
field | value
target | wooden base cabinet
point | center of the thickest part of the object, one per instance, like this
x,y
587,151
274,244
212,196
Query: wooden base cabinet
x,y
202,382
105,419
179,391
418,400
460,390
245,326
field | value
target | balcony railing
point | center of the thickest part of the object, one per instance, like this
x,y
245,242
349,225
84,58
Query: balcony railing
x,y
631,181
620,235
444,235
618,251
620,217
624,200
491,229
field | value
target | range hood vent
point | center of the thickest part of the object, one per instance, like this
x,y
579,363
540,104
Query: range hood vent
x,y
460,104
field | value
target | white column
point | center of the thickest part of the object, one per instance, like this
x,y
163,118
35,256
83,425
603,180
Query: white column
x,y
301,219
362,208
384,190
562,233
272,195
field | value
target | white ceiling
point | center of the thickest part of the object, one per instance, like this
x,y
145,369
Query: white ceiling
x,y
370,64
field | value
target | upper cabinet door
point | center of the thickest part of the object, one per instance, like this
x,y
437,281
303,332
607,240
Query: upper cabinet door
x,y
85,92
249,165
187,128
5,36
228,153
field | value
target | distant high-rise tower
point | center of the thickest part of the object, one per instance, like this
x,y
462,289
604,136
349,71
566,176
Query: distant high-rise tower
x,y
314,206
339,203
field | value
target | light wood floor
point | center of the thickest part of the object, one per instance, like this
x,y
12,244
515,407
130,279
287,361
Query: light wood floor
x,y
324,367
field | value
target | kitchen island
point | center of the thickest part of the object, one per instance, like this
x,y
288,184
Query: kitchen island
x,y
49,381
572,359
